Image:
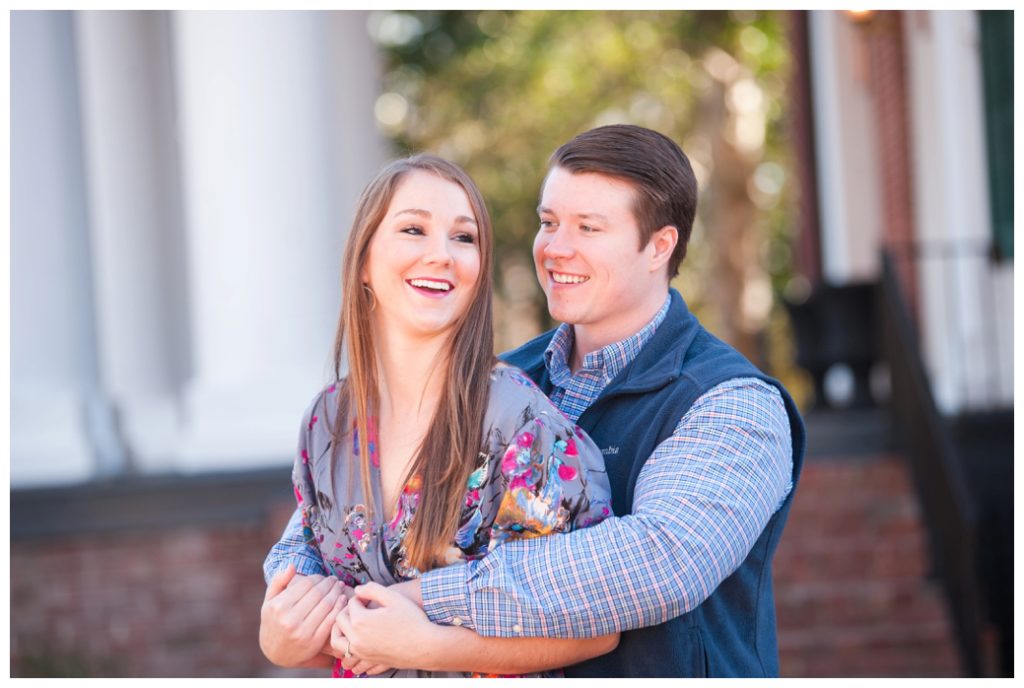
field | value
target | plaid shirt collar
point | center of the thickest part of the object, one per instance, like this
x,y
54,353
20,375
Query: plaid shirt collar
x,y
607,361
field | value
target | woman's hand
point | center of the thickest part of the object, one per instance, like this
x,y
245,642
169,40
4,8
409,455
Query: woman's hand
x,y
382,628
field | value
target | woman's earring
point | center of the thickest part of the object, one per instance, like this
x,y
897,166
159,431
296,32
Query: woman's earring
x,y
373,296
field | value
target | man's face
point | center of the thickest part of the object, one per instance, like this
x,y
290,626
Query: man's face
x,y
587,254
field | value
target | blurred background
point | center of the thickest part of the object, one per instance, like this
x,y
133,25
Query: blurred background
x,y
181,187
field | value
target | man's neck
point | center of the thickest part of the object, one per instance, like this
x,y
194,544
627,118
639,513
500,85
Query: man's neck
x,y
588,338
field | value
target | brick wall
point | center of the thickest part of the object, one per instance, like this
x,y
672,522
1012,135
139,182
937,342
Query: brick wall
x,y
853,597
180,601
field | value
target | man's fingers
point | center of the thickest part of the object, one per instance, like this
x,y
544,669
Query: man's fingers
x,y
313,596
377,670
280,581
295,589
337,602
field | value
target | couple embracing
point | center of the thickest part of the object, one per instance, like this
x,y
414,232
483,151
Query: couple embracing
x,y
604,500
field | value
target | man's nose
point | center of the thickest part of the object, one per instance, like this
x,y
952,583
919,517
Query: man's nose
x,y
558,245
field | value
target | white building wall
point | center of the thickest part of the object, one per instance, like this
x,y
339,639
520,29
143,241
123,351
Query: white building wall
x,y
848,193
55,389
176,249
966,298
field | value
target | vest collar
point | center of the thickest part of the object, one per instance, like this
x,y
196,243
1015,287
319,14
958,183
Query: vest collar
x,y
661,360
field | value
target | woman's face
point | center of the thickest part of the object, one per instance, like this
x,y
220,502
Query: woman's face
x,y
424,258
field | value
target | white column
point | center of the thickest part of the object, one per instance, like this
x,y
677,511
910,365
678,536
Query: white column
x,y
257,130
128,118
57,409
963,296
844,132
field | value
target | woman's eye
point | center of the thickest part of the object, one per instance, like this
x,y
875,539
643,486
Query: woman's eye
x,y
465,238
546,224
413,230
587,228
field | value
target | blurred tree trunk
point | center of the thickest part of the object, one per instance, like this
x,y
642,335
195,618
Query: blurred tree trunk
x,y
737,291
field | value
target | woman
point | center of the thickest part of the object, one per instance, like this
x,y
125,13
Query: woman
x,y
429,451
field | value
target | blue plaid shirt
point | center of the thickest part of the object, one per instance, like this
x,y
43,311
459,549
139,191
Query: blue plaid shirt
x,y
701,501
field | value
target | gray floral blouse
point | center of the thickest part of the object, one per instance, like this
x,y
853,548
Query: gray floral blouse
x,y
537,474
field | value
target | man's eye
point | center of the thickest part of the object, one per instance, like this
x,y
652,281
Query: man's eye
x,y
587,228
546,224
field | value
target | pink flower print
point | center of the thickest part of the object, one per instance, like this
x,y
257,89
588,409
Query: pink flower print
x,y
525,440
566,472
570,448
519,481
313,422
508,463
472,498
305,456
298,495
349,555
357,534
330,390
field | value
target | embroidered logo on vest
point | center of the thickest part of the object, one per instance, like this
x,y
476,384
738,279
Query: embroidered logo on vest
x,y
608,451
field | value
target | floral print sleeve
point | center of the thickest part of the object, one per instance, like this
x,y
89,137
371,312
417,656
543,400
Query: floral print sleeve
x,y
544,475
302,478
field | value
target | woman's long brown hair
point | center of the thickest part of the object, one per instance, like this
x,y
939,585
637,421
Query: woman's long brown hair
x,y
449,451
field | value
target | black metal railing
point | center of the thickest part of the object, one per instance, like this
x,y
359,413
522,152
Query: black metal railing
x,y
949,510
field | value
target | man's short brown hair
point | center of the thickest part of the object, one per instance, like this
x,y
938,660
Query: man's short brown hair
x,y
666,188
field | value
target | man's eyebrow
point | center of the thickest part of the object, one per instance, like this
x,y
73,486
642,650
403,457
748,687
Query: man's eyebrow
x,y
583,216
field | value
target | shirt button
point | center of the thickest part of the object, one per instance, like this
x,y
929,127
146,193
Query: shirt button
x,y
457,621
517,629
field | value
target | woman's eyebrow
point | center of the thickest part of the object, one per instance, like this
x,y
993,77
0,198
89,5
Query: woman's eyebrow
x,y
419,212
413,211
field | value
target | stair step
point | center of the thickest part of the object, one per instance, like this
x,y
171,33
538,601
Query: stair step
x,y
863,557
883,649
853,602
851,588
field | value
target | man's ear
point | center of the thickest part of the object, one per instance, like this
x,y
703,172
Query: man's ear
x,y
664,243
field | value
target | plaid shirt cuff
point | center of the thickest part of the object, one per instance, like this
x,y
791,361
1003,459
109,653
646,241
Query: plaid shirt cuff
x,y
292,548
446,595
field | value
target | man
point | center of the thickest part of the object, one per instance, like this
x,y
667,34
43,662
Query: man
x,y
703,451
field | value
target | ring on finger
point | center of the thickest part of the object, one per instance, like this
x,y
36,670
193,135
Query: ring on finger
x,y
348,648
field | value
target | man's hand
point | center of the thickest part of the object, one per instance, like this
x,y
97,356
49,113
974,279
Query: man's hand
x,y
297,615
381,627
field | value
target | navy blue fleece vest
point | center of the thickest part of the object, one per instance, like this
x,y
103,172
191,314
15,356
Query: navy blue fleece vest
x,y
732,633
